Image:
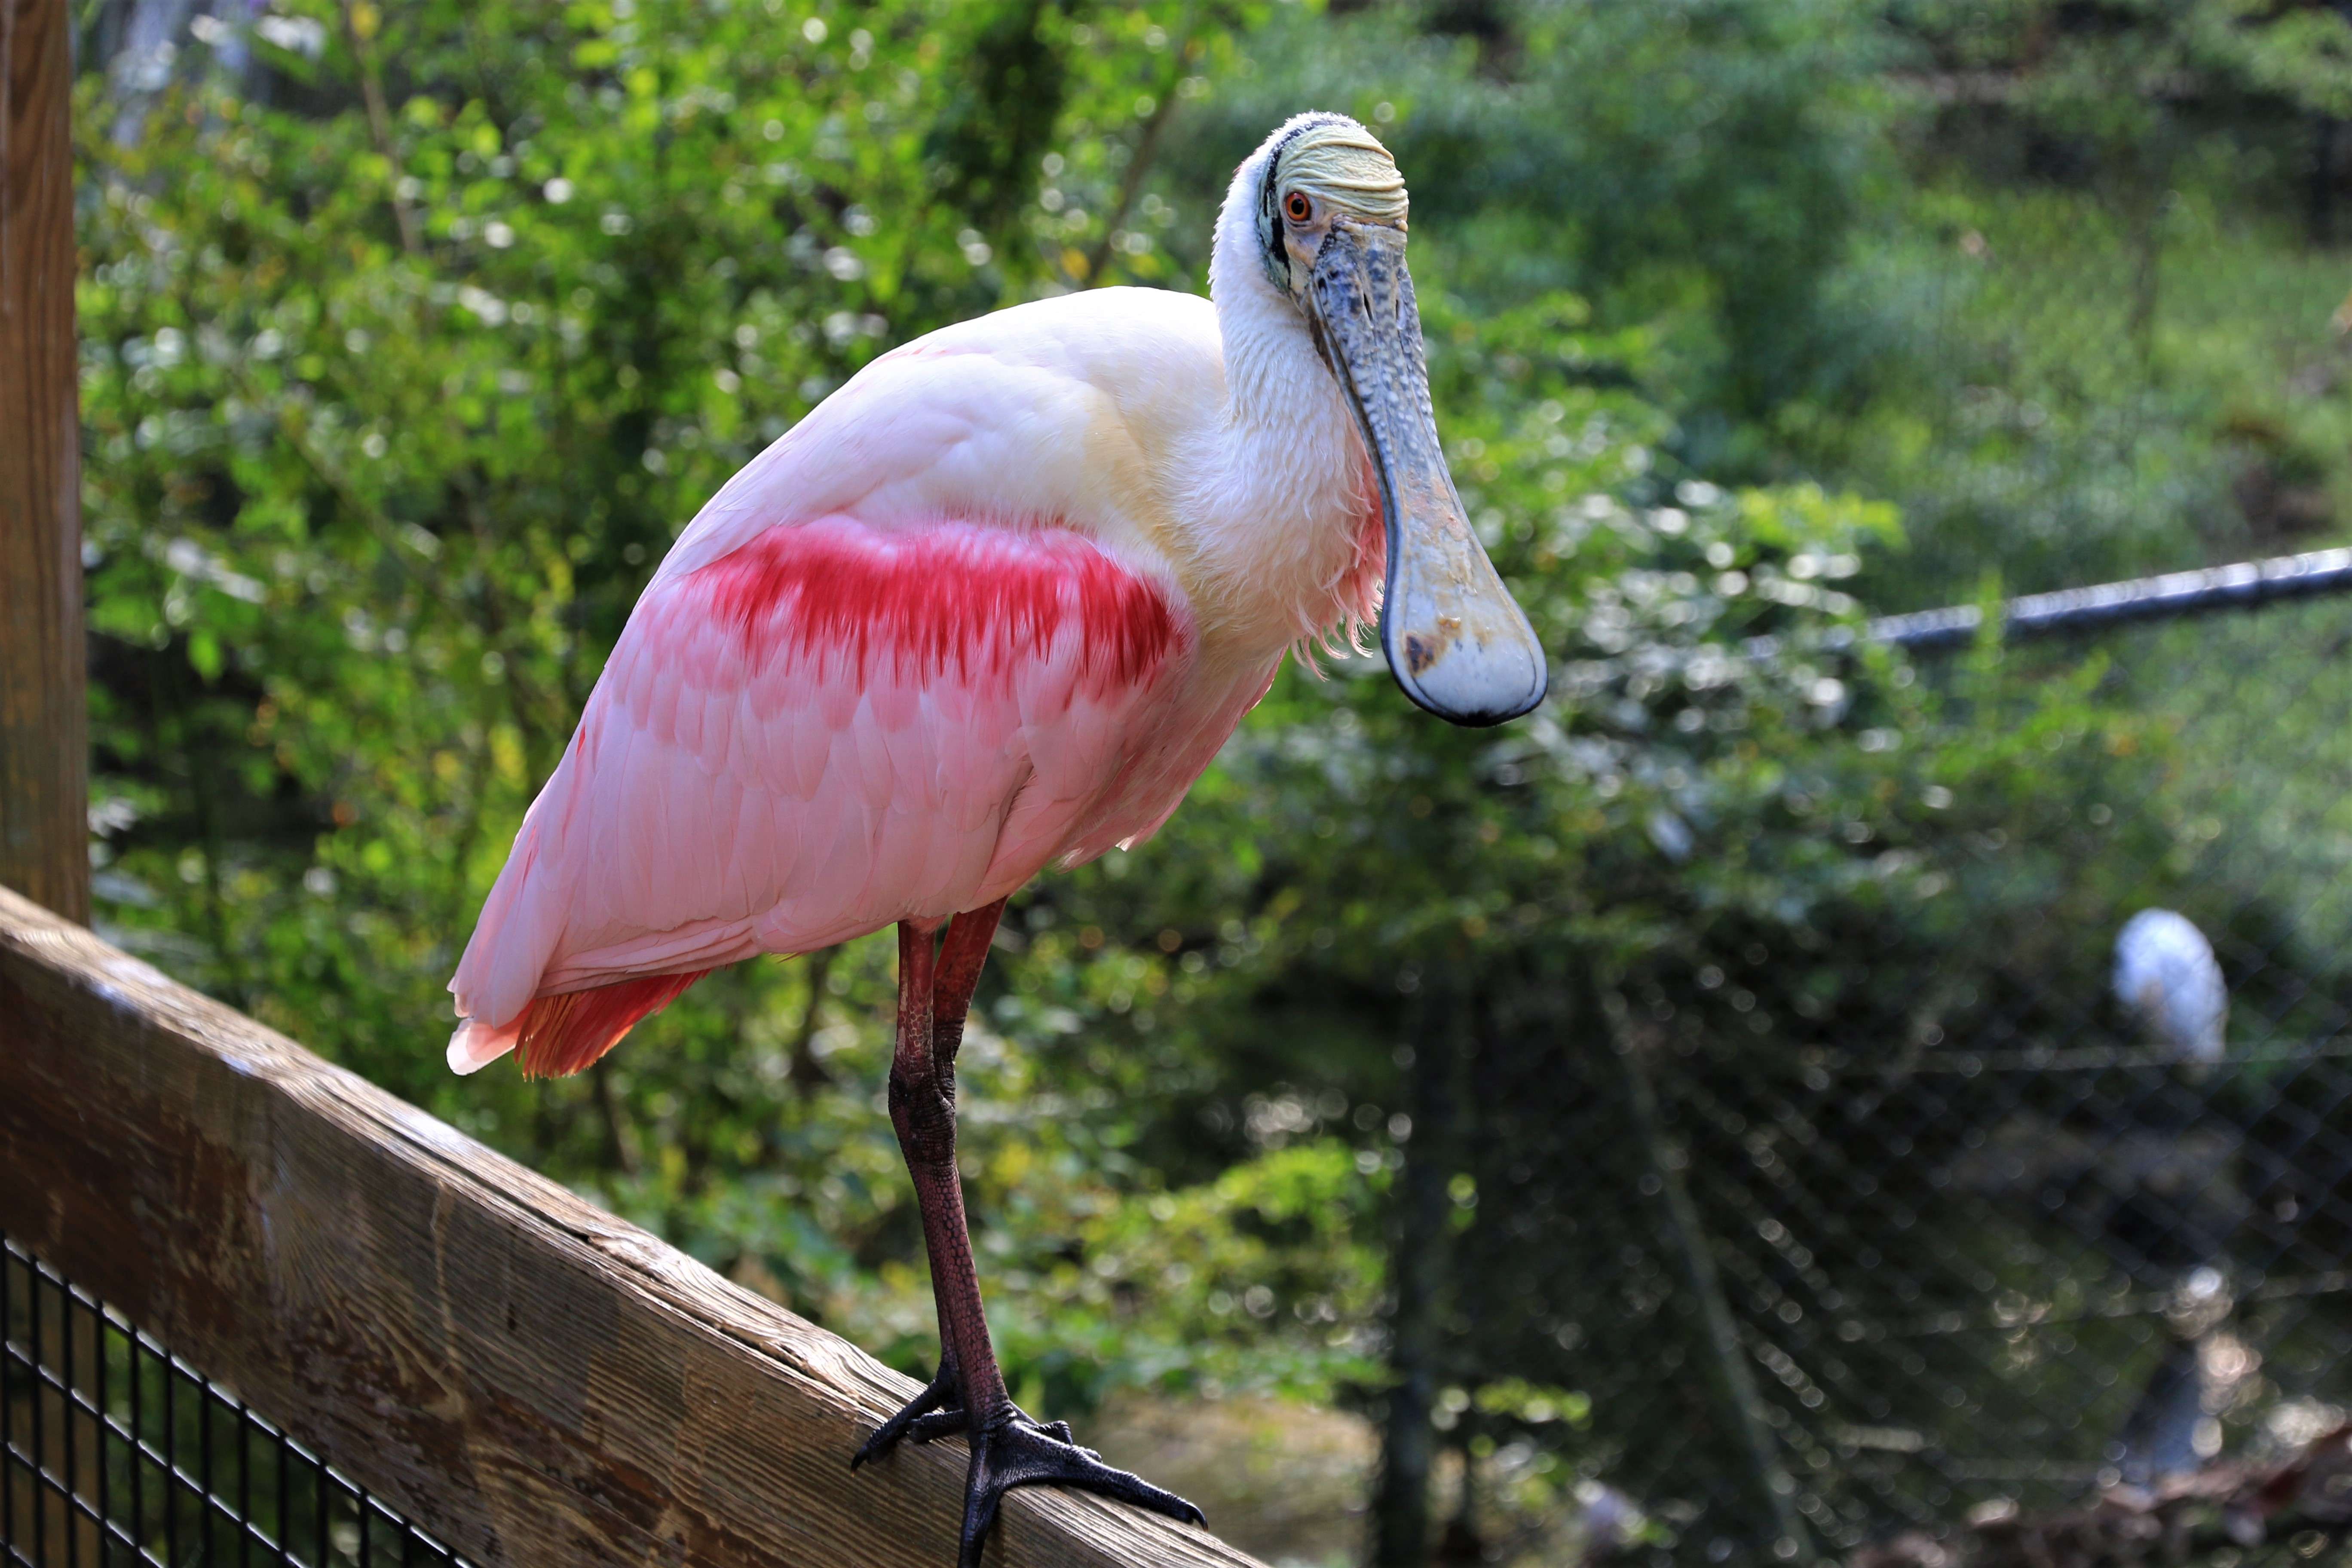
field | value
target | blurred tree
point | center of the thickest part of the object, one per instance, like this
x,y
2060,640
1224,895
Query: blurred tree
x,y
1700,163
1000,120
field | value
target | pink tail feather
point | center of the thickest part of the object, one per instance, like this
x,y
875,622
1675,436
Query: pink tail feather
x,y
561,1035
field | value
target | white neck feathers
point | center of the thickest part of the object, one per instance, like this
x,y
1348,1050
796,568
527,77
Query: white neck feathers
x,y
1288,523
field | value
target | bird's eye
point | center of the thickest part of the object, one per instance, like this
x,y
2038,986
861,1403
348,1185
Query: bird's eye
x,y
1298,208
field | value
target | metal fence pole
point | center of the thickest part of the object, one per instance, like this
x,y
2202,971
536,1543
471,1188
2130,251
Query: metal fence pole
x,y
1734,1383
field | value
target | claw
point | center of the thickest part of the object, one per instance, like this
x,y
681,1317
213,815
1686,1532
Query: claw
x,y
916,1418
1011,1450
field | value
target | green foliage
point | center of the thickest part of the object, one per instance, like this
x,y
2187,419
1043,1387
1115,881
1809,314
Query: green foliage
x,y
1694,166
2120,70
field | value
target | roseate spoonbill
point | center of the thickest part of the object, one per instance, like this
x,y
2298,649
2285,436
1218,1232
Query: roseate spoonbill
x,y
990,608
2168,978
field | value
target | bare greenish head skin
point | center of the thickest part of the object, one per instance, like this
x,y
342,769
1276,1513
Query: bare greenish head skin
x,y
1331,218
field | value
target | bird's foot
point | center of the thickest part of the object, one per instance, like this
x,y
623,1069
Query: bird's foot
x,y
936,1411
1009,1450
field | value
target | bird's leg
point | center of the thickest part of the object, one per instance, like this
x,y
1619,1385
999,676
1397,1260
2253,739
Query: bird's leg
x,y
939,1410
1008,1448
955,974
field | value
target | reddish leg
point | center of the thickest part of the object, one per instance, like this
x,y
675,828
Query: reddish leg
x,y
918,1090
1008,1448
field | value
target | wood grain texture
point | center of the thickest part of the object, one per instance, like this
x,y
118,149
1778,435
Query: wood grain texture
x,y
44,727
526,1377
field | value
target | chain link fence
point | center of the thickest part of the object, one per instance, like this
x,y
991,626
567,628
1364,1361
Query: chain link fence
x,y
1831,1284
1821,1297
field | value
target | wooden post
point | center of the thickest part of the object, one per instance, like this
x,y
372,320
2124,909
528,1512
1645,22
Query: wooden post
x,y
43,719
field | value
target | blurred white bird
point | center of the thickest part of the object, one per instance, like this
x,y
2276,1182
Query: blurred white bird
x,y
2167,977
1607,1519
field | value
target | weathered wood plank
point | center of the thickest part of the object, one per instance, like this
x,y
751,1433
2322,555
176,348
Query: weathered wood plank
x,y
44,727
526,1377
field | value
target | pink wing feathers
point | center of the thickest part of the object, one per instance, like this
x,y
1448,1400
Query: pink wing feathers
x,y
833,727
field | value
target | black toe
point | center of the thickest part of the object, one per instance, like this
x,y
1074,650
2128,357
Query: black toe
x,y
919,1418
939,1424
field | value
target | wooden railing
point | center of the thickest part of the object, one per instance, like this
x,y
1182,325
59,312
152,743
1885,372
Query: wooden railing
x,y
525,1377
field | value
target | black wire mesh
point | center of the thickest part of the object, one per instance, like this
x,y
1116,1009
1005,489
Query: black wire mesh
x,y
118,1454
1822,1289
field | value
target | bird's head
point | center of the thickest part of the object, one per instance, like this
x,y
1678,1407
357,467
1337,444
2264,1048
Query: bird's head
x,y
1328,209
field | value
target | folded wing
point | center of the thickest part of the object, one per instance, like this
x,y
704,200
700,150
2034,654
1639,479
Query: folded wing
x,y
833,727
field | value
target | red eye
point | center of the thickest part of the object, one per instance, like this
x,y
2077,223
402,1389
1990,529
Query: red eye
x,y
1297,206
